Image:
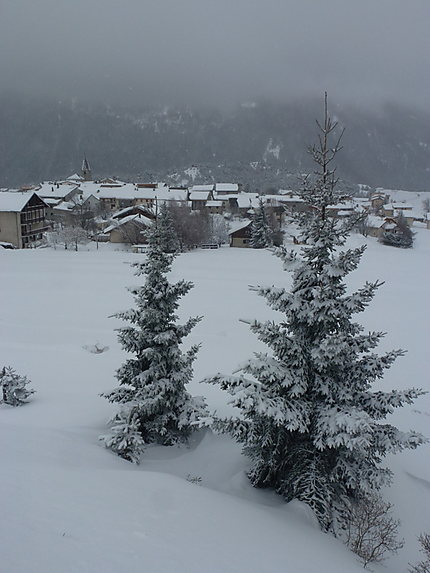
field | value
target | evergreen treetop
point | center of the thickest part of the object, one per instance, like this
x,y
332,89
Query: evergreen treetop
x,y
261,231
169,242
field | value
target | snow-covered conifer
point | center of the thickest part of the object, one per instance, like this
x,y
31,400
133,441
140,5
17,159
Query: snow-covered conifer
x,y
155,405
168,236
13,387
261,231
309,420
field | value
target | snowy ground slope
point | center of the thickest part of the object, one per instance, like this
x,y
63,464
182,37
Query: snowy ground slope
x,y
69,505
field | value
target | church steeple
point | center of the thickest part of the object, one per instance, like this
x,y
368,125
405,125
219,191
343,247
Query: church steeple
x,y
86,170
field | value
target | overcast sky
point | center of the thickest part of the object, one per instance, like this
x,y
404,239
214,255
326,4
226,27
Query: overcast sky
x,y
216,51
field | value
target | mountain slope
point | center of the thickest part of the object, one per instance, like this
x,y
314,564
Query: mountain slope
x,y
260,144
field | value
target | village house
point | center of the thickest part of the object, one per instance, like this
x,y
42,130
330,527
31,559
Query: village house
x,y
58,191
246,203
215,207
22,218
129,229
342,209
127,195
289,200
209,187
282,204
378,199
240,234
55,193
199,199
376,226
89,203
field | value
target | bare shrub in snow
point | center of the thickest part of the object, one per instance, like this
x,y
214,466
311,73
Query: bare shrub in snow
x,y
424,565
192,227
370,529
197,480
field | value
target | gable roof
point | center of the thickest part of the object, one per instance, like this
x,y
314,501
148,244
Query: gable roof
x,y
15,201
47,189
199,195
139,219
134,210
238,225
74,177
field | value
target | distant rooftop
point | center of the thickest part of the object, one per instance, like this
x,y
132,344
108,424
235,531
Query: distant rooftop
x,y
226,187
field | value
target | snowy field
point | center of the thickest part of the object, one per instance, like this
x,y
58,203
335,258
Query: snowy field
x,y
70,506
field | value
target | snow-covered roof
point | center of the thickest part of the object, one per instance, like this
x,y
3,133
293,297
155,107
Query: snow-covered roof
x,y
414,213
47,189
389,225
87,188
277,200
214,203
64,206
137,218
123,212
226,187
14,201
237,225
342,206
225,196
75,177
374,221
52,202
245,200
402,206
199,195
91,196
129,191
202,188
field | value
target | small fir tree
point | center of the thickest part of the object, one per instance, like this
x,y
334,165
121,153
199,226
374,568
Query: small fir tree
x,y
155,405
14,387
310,424
261,231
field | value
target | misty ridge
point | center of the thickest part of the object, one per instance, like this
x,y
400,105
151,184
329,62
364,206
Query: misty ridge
x,y
262,144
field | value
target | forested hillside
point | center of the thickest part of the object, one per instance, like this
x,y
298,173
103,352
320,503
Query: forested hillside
x,y
260,144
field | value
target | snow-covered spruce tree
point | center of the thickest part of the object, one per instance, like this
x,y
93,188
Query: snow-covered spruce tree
x,y
155,406
309,421
168,236
14,391
261,231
